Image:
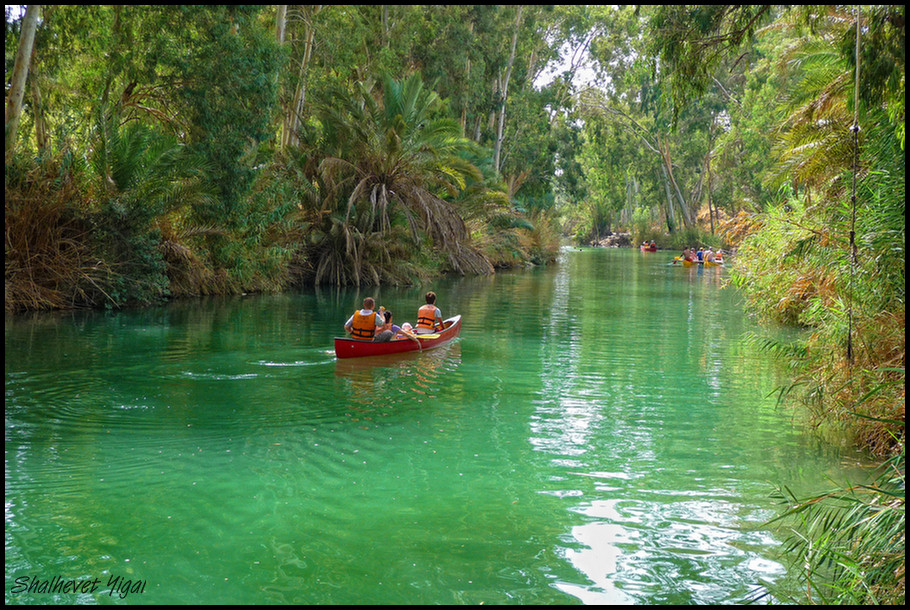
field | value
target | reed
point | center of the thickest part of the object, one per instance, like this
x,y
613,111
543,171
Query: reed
x,y
846,546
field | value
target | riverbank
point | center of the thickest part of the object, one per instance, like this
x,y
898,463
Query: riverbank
x,y
614,240
68,246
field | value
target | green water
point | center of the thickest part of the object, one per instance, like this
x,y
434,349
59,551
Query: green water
x,y
598,434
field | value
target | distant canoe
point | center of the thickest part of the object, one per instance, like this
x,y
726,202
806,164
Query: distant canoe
x,y
648,248
685,263
357,348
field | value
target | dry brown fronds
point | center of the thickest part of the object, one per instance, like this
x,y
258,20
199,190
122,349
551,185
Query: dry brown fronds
x,y
734,230
49,263
868,395
187,274
881,356
811,284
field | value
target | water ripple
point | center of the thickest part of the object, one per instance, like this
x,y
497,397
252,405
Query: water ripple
x,y
592,436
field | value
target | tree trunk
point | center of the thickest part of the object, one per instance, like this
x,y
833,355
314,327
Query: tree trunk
x,y
41,137
20,76
668,174
671,221
281,22
292,118
505,93
711,211
467,80
385,25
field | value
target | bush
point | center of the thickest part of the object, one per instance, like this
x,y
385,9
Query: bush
x,y
49,258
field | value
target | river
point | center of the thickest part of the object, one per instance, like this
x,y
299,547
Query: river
x,y
600,433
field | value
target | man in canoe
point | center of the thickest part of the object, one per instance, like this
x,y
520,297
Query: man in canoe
x,y
429,318
363,324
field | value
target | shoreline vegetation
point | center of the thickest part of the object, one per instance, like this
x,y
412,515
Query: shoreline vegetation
x,y
239,149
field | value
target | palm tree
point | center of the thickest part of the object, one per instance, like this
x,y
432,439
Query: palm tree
x,y
390,165
815,143
146,183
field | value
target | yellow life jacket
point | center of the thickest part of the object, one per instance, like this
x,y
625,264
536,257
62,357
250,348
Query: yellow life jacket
x,y
426,317
363,326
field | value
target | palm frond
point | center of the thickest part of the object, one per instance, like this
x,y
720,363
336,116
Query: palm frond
x,y
394,161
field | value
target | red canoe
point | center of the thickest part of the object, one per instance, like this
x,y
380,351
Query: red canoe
x,y
648,248
357,348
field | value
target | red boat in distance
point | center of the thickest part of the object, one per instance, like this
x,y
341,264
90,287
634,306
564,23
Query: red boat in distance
x,y
346,347
648,248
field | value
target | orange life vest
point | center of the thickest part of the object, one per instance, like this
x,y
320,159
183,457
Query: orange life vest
x,y
426,317
363,326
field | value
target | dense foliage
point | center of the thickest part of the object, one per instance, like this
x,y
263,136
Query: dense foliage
x,y
342,144
156,151
826,251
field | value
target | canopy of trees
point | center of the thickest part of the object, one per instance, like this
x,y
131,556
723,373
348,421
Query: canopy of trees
x,y
689,116
167,150
227,148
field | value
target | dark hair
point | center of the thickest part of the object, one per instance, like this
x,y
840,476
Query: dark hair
x,y
387,315
431,297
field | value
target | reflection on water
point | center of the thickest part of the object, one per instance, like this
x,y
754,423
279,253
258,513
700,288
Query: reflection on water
x,y
598,434
378,386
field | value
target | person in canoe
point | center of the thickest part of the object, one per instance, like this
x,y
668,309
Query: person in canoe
x,y
388,330
392,332
685,256
429,317
363,324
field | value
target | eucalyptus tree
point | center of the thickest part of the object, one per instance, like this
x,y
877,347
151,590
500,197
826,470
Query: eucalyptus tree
x,y
632,98
20,75
692,41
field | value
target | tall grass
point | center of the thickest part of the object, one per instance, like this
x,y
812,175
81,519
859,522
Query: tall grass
x,y
846,546
798,265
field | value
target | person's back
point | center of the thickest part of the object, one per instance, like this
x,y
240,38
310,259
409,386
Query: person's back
x,y
429,317
362,325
